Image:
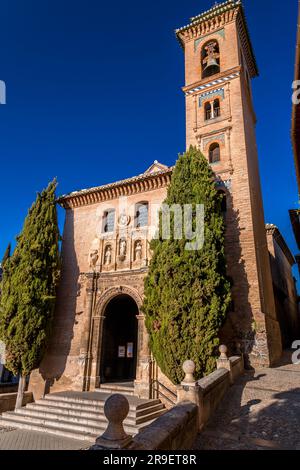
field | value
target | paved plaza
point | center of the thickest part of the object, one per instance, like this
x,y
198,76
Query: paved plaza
x,y
16,439
262,411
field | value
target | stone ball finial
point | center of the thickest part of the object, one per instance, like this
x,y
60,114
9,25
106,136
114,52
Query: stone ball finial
x,y
116,409
223,352
189,368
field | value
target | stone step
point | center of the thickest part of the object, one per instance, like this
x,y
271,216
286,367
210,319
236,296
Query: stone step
x,y
79,415
89,413
94,429
115,388
90,438
134,404
89,419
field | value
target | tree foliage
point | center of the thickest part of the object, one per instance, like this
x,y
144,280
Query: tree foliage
x,y
29,286
6,255
187,293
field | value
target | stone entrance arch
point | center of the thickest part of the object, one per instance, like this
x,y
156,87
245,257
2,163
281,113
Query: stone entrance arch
x,y
142,376
118,355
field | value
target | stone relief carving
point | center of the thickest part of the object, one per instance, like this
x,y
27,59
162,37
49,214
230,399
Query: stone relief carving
x,y
138,251
122,248
93,258
124,220
107,255
112,292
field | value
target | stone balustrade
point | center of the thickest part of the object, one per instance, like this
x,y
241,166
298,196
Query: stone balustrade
x,y
177,428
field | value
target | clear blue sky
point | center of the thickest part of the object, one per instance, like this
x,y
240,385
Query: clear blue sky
x,y
94,95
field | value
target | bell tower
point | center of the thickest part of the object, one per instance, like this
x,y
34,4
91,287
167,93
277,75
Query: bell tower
x,y
220,121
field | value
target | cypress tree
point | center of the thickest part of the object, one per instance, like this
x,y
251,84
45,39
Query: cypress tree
x,y
6,255
29,286
187,293
4,259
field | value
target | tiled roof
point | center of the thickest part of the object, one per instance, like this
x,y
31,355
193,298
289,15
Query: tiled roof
x,y
147,174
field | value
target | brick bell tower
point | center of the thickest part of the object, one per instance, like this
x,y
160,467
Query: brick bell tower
x,y
220,120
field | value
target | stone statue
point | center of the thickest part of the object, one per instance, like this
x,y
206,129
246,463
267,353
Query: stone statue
x,y
123,246
138,251
94,256
107,256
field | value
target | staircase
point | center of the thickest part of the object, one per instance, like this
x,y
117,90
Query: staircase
x,y
124,388
79,415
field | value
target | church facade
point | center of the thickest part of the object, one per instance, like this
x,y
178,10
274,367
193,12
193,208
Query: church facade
x,y
99,332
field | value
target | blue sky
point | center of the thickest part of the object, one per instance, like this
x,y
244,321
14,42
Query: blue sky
x,y
94,95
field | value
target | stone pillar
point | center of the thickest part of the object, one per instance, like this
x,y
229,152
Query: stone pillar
x,y
84,355
142,381
116,409
96,351
188,389
223,362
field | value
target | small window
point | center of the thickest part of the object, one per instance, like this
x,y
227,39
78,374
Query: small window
x,y
207,111
141,214
214,153
109,221
216,108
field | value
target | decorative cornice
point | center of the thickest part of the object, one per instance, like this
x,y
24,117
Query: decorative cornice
x,y
223,79
138,184
221,14
128,187
214,133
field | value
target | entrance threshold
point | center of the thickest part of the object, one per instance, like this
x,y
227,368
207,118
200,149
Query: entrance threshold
x,y
124,388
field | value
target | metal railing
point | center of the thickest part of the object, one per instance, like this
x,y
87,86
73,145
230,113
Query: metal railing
x,y
156,392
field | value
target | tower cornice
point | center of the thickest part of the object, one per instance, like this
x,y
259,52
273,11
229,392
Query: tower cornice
x,y
214,19
222,78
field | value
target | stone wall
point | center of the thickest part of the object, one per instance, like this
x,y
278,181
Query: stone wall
x,y
8,388
8,401
207,393
175,430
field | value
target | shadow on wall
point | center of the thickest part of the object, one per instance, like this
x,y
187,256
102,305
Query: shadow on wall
x,y
54,362
237,332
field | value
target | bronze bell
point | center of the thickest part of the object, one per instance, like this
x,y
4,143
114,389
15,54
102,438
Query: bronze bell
x,y
211,62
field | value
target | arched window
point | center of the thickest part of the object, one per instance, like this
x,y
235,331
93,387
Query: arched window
x,y
216,108
214,153
141,214
210,59
207,111
109,221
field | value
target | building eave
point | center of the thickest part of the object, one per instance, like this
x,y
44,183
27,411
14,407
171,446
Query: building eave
x,y
127,187
295,221
274,231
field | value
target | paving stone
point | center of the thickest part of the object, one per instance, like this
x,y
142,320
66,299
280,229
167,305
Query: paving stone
x,y
31,440
261,411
